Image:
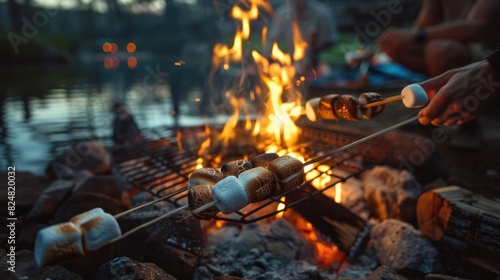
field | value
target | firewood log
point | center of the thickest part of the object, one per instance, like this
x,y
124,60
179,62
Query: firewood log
x,y
462,221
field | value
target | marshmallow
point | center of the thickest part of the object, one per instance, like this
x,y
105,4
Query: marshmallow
x,y
259,183
205,176
86,216
58,243
370,97
198,196
289,172
312,109
231,195
347,107
325,107
99,230
414,96
263,160
235,167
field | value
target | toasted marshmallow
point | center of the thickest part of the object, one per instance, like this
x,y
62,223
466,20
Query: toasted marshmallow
x,y
86,216
235,167
263,160
205,176
99,230
58,243
259,183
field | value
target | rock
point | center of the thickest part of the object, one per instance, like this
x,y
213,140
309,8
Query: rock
x,y
401,247
352,194
285,242
442,277
250,237
81,202
391,193
384,272
85,155
127,268
50,199
176,247
26,268
362,267
42,212
29,188
284,254
103,184
132,245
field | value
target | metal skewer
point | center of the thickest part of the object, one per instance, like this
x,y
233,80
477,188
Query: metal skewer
x,y
129,211
146,224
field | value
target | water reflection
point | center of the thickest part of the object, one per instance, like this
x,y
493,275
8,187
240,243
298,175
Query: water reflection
x,y
42,111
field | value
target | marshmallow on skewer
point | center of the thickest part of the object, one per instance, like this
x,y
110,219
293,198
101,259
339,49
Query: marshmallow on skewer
x,y
312,109
414,96
347,107
235,167
58,243
86,216
231,195
370,97
99,230
326,107
259,183
205,176
263,160
289,172
199,196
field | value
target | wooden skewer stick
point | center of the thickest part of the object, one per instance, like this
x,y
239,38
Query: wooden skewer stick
x,y
384,101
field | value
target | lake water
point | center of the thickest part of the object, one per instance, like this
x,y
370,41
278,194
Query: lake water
x,y
43,110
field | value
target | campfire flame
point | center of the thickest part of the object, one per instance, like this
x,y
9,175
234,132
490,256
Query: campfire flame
x,y
278,90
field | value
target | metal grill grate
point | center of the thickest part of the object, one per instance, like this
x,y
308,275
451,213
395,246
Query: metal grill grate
x,y
163,163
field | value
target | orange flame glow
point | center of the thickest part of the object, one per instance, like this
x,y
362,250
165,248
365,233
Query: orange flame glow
x,y
245,18
338,192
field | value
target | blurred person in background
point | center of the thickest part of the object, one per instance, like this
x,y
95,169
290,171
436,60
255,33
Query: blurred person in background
x,y
317,25
447,34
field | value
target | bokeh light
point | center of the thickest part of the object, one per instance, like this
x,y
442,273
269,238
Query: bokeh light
x,y
131,47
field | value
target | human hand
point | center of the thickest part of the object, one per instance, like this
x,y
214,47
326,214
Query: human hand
x,y
395,41
461,94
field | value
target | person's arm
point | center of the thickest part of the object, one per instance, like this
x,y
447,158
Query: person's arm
x,y
462,93
475,27
431,13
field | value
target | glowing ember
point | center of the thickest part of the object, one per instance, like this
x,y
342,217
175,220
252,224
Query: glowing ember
x,y
338,192
280,208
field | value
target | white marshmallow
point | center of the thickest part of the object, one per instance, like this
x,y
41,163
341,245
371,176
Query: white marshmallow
x,y
414,96
312,109
231,195
86,216
99,230
58,243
